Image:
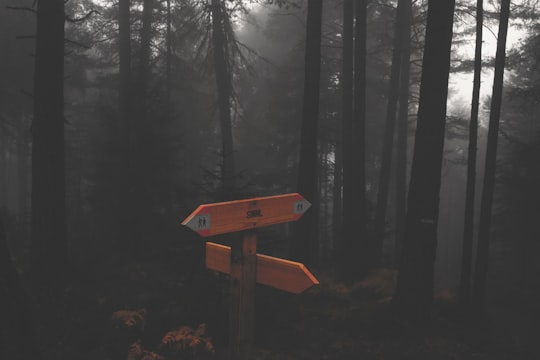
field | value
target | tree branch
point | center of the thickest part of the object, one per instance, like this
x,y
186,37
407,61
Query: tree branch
x,y
83,18
25,37
22,8
76,43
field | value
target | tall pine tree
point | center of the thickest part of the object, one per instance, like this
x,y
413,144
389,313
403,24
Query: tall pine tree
x,y
482,254
414,292
224,90
467,252
304,245
49,245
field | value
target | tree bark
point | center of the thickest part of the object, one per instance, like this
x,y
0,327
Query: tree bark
x,y
342,137
49,245
224,89
144,68
126,231
482,254
324,235
305,230
141,139
124,29
414,292
359,248
170,115
22,170
403,124
348,153
388,141
467,252
146,38
169,55
4,171
337,202
17,330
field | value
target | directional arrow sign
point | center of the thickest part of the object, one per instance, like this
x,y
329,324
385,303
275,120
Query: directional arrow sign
x,y
281,274
230,216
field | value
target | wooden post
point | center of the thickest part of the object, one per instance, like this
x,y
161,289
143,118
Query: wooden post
x,y
240,260
242,289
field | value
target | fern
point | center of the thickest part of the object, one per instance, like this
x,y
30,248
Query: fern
x,y
185,340
136,352
150,355
132,320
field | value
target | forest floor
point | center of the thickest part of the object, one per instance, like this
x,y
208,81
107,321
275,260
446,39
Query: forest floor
x,y
144,309
336,321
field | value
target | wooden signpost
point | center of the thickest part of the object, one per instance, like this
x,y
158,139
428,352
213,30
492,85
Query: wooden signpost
x,y
278,273
231,216
241,260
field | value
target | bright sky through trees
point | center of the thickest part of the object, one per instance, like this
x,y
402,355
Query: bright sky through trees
x,y
461,83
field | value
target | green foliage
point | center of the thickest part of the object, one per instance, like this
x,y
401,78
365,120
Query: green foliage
x,y
525,63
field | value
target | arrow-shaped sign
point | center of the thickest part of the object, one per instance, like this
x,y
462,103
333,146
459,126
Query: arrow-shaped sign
x,y
281,274
243,264
230,216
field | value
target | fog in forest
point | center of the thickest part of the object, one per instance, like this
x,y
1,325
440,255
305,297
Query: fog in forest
x,y
410,127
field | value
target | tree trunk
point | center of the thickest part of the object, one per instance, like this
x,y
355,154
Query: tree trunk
x,y
126,199
49,245
141,145
169,116
346,235
17,330
14,328
482,254
414,292
403,124
337,188
323,195
341,134
144,70
388,142
22,171
467,253
224,89
169,56
146,37
124,53
4,171
358,249
304,245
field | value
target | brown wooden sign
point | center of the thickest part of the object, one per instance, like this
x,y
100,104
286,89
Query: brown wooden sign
x,y
242,262
231,216
278,273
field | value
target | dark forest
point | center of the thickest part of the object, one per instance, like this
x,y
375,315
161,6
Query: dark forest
x,y
269,179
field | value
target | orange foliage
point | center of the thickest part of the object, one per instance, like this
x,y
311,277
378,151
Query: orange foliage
x,y
133,320
136,352
186,340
